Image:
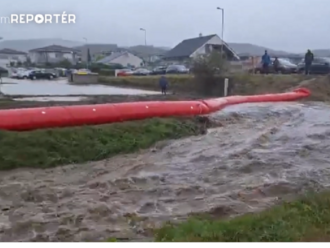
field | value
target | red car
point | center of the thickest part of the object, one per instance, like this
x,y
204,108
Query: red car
x,y
124,73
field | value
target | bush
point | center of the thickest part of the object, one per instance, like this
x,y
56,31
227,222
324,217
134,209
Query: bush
x,y
209,73
107,72
97,67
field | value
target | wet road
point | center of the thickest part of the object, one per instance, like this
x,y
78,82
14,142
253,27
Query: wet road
x,y
263,153
60,87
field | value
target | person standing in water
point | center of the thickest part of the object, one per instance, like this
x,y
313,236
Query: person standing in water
x,y
163,84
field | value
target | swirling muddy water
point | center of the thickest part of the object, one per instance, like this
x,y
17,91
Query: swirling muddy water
x,y
262,154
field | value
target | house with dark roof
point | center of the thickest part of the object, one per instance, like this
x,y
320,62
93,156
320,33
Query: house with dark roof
x,y
123,58
54,54
9,55
194,47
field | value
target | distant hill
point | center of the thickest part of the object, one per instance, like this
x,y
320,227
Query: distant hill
x,y
26,45
321,52
140,50
147,50
254,50
95,49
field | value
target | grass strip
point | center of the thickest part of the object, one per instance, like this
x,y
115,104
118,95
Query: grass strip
x,y
53,147
305,219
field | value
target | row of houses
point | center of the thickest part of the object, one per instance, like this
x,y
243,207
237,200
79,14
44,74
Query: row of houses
x,y
56,54
184,51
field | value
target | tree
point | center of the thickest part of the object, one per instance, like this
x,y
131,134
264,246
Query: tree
x,y
208,71
65,64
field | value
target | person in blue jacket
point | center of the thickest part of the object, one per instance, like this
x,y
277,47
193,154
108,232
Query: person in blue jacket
x,y
266,62
163,84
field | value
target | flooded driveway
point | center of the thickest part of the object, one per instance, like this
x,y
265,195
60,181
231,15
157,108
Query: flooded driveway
x,y
60,87
263,153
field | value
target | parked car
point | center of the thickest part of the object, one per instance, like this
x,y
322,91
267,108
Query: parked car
x,y
159,70
319,66
22,74
285,67
41,75
124,73
141,72
177,69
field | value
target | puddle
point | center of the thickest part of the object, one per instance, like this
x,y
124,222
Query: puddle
x,y
61,87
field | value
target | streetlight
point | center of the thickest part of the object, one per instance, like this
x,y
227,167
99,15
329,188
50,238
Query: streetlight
x,y
145,38
222,26
145,35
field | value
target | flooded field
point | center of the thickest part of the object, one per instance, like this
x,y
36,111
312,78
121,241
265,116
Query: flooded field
x,y
60,87
262,154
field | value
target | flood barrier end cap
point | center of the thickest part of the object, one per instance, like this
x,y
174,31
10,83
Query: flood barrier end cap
x,y
303,90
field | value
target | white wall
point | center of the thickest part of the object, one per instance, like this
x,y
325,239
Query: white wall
x,y
128,59
200,51
215,40
12,58
51,57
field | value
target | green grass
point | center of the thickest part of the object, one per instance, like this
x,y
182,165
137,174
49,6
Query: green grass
x,y
305,219
53,147
244,84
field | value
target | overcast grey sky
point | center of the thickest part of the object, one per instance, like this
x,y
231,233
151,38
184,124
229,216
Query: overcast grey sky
x,y
290,25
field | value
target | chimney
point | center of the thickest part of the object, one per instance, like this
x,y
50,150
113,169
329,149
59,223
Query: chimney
x,y
200,35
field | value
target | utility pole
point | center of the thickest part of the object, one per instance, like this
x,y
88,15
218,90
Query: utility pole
x,y
222,27
145,39
87,51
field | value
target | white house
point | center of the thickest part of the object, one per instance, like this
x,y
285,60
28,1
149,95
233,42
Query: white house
x,y
125,59
54,54
191,48
10,55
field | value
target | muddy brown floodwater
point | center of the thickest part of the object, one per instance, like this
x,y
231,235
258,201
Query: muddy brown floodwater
x,y
264,153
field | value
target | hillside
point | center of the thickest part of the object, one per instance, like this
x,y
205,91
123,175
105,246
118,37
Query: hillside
x,y
254,50
26,45
321,52
147,50
95,49
141,50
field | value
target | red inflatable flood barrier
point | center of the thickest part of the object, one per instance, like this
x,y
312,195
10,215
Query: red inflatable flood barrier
x,y
36,118
220,103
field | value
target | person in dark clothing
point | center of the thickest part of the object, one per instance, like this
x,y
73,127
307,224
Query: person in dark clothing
x,y
309,57
163,84
276,64
265,60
